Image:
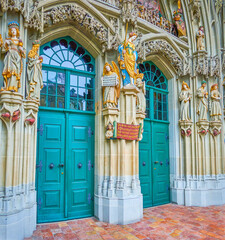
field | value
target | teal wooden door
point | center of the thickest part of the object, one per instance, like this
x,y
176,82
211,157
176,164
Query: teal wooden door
x,y
65,153
81,165
50,159
160,160
154,147
145,168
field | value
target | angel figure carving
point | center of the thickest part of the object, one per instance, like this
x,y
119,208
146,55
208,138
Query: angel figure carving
x,y
13,63
216,111
34,73
111,85
141,101
185,98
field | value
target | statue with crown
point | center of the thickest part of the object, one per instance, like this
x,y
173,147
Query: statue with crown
x,y
128,60
34,82
13,63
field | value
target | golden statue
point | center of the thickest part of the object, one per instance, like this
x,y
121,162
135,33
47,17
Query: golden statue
x,y
111,85
13,63
128,60
34,73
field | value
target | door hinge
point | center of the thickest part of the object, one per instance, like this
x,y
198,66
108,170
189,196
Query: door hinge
x,y
40,165
39,203
167,162
167,137
168,188
90,132
89,198
40,129
89,165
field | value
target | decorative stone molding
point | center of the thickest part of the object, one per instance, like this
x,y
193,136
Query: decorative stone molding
x,y
218,5
215,128
162,47
185,128
129,11
28,9
73,12
194,7
214,66
206,66
201,64
203,127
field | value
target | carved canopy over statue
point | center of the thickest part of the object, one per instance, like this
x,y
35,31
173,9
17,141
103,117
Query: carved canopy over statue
x,y
13,63
185,98
202,107
111,85
34,73
128,60
216,111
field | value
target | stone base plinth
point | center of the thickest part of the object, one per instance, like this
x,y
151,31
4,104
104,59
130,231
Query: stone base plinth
x,y
199,193
18,225
122,211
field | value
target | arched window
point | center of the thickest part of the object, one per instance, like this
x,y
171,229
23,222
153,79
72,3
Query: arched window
x,y
156,92
68,76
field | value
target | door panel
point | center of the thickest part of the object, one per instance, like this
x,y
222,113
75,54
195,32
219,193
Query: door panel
x,y
160,153
145,168
80,166
50,155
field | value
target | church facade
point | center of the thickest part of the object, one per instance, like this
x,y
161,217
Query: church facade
x,y
108,107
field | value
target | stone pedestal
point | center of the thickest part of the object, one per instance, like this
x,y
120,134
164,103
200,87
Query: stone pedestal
x,y
17,157
120,201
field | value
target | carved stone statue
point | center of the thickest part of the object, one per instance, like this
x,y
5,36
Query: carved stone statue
x,y
34,73
179,23
110,85
141,101
185,98
202,107
216,111
128,60
13,65
200,39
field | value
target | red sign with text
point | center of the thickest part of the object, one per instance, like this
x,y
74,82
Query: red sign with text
x,y
127,131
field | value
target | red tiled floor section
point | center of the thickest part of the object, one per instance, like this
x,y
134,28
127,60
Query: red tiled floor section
x,y
159,223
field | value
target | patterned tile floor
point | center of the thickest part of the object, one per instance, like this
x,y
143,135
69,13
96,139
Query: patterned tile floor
x,y
162,222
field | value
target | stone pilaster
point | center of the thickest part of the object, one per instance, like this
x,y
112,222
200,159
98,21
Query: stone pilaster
x,y
18,130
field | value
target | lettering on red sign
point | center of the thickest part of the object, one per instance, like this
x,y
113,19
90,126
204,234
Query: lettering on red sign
x,y
127,131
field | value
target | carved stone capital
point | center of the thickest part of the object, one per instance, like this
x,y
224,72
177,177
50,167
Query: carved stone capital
x,y
185,128
130,90
215,128
110,111
203,127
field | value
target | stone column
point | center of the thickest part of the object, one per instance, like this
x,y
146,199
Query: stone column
x,y
18,158
120,201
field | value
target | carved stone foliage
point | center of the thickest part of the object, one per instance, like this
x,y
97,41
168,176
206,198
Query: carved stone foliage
x,y
215,128
75,13
164,48
203,65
